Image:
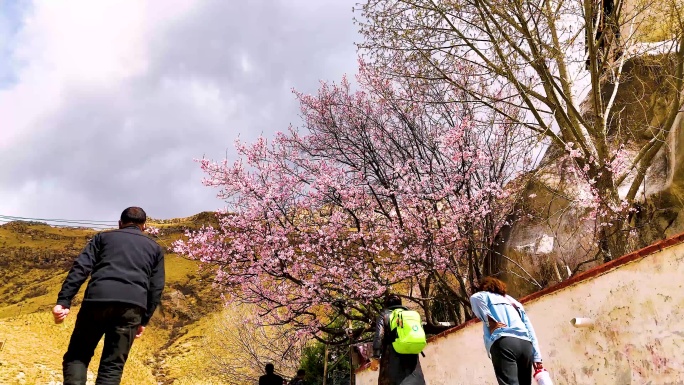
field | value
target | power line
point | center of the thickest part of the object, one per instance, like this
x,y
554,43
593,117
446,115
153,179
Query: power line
x,y
58,222
71,225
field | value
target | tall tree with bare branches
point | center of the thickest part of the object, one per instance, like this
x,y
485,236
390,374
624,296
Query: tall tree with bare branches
x,y
564,63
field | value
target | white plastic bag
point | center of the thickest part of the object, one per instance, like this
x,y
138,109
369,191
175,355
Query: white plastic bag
x,y
542,377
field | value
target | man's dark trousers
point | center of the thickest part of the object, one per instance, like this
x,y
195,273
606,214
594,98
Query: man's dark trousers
x,y
118,322
512,359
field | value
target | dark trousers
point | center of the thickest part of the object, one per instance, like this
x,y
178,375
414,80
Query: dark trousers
x,y
512,358
119,324
399,369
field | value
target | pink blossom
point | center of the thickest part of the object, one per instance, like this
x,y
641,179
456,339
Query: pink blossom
x,y
371,192
152,230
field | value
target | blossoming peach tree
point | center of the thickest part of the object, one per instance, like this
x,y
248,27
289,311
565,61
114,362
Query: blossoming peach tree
x,y
372,193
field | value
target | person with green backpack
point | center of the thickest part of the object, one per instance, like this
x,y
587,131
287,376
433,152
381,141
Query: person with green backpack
x,y
399,339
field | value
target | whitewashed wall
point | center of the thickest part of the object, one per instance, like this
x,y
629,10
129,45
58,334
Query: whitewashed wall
x,y
638,338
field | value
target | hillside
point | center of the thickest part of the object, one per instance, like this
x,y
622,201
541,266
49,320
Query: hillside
x,y
34,259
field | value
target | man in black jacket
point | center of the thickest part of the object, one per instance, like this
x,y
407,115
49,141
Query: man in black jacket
x,y
126,270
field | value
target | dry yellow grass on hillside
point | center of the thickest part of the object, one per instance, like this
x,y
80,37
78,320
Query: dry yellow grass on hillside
x,y
34,346
191,339
34,259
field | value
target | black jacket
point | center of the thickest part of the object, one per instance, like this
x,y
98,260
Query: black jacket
x,y
270,379
124,266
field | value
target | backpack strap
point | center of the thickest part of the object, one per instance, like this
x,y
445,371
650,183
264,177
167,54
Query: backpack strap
x,y
390,334
517,308
392,313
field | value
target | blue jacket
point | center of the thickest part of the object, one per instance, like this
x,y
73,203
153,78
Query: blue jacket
x,y
501,309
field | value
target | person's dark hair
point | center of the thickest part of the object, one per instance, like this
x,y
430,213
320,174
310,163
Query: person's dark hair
x,y
134,215
392,300
301,372
493,285
269,368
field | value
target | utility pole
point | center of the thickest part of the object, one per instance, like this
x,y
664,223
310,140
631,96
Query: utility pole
x,y
325,366
352,380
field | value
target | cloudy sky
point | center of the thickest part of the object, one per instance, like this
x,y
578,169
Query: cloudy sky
x,y
105,104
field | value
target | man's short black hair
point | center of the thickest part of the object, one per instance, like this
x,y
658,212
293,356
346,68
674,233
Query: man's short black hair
x,y
392,300
134,215
269,368
301,372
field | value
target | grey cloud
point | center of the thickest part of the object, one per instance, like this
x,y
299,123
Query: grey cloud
x,y
108,148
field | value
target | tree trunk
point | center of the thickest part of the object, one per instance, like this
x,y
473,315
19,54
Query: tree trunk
x,y
612,244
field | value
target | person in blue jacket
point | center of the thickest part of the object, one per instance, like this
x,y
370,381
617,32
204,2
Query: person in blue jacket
x,y
508,333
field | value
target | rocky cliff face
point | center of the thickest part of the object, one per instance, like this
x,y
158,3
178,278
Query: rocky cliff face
x,y
552,236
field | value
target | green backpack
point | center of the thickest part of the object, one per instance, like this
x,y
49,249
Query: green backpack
x,y
410,334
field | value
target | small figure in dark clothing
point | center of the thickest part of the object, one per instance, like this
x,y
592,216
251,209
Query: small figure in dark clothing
x,y
270,378
395,368
299,380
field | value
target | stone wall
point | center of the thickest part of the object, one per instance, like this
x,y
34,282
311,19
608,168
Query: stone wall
x,y
637,303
